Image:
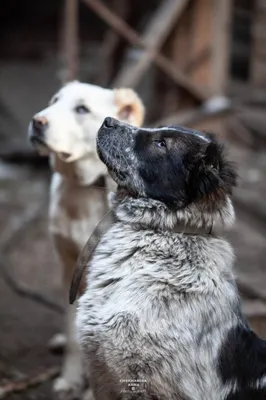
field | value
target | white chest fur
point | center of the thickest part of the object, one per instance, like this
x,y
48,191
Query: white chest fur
x,y
75,210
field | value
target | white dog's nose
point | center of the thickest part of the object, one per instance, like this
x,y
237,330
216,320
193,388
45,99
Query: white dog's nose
x,y
39,125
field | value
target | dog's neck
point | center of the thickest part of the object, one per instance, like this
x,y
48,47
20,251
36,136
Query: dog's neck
x,y
156,215
85,172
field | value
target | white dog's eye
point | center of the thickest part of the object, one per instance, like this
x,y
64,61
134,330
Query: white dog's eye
x,y
54,100
160,143
82,110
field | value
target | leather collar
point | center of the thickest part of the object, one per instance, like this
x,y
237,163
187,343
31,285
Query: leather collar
x,y
192,230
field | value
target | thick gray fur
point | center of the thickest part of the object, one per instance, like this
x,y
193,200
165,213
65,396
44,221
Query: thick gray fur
x,y
158,305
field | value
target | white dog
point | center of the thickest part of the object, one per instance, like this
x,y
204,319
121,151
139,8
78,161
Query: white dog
x,y
66,130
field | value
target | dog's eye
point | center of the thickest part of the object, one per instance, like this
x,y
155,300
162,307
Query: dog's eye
x,y
54,100
160,143
82,110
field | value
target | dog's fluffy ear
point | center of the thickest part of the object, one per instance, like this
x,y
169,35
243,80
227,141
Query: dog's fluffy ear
x,y
212,174
129,106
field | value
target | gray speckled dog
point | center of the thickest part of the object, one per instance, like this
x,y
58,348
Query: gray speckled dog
x,y
160,319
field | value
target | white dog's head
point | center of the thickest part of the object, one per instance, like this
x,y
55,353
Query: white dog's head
x,y
67,128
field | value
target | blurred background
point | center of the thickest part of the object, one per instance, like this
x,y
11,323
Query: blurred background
x,y
200,63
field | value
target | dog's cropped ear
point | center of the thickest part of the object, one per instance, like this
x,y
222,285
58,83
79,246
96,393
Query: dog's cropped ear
x,y
212,173
129,106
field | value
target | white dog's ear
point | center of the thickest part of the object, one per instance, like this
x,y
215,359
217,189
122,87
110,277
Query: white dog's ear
x,y
69,83
129,106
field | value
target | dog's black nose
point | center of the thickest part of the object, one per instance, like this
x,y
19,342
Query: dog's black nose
x,y
39,124
109,122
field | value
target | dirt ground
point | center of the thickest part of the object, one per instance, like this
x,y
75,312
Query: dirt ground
x,y
26,326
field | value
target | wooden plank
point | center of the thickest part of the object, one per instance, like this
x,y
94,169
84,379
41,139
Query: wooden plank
x,y
180,40
110,46
202,18
135,39
222,18
201,39
191,42
259,73
70,41
177,48
201,75
215,107
237,132
198,60
154,36
258,61
187,47
10,387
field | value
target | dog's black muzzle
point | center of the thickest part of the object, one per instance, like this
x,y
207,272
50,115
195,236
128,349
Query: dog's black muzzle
x,y
115,147
115,143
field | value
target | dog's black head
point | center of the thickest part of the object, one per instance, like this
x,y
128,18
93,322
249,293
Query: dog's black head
x,y
174,165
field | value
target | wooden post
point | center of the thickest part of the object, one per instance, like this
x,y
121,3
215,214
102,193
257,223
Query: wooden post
x,y
119,25
222,16
159,27
112,45
70,41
